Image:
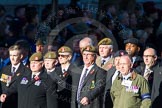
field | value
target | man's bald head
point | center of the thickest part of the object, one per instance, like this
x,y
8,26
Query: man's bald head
x,y
85,42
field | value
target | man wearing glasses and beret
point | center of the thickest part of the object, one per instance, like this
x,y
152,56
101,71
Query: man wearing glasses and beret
x,y
62,75
89,82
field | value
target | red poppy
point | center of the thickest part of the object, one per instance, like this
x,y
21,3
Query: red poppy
x,y
36,78
92,71
65,74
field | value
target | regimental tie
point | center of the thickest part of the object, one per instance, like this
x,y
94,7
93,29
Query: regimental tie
x,y
33,77
103,62
147,73
13,71
81,85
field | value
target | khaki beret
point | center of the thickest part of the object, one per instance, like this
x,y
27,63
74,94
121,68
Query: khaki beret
x,y
36,57
105,41
65,50
89,48
40,42
50,55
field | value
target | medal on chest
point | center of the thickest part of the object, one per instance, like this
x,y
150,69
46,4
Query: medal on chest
x,y
37,83
133,89
6,79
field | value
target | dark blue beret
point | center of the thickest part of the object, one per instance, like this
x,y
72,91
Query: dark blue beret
x,y
120,53
132,41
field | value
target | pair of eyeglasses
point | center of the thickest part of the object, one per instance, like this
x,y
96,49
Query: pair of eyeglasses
x,y
148,55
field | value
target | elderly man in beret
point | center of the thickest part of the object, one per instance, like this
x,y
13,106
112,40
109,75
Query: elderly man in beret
x,y
90,81
50,62
111,75
105,59
35,89
132,47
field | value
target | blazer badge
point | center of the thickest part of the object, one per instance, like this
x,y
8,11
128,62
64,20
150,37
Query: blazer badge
x,y
92,84
24,81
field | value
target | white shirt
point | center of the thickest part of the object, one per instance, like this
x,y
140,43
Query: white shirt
x,y
65,69
125,77
16,67
115,75
34,73
134,58
83,71
106,59
48,71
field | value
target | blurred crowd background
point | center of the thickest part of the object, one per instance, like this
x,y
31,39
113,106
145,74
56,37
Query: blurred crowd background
x,y
123,19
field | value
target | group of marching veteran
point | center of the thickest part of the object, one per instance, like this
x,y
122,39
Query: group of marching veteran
x,y
95,79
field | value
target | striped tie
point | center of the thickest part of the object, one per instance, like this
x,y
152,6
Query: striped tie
x,y
13,71
81,85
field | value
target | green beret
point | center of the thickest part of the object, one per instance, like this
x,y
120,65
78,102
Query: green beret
x,y
36,57
40,42
65,50
50,55
89,48
105,41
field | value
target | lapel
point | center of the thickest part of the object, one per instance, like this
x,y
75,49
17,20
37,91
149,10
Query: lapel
x,y
17,73
110,73
143,70
65,74
98,61
41,77
8,70
30,79
59,73
108,64
91,72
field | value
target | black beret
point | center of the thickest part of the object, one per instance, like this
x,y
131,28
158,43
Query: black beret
x,y
132,41
120,53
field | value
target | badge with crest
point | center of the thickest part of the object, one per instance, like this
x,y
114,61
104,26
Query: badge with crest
x,y
24,81
92,84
